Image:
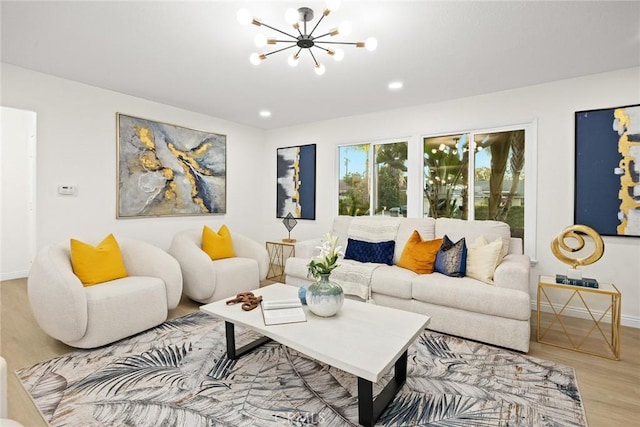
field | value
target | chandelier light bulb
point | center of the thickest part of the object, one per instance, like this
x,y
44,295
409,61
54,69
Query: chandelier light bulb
x,y
260,40
320,69
333,5
338,55
293,60
291,16
371,44
255,59
244,17
345,28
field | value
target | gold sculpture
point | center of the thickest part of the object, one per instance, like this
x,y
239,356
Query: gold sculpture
x,y
576,233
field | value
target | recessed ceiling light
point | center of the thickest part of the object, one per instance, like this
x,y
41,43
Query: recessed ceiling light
x,y
395,85
265,113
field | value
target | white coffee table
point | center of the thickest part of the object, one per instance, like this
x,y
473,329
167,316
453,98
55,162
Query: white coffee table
x,y
362,339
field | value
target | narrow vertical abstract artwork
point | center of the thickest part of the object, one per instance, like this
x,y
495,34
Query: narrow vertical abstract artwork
x,y
168,170
607,193
296,184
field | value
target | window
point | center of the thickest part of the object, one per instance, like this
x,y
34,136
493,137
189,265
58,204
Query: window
x,y
377,187
481,175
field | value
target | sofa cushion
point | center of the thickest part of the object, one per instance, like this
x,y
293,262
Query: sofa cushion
x,y
392,281
491,230
341,228
468,294
419,255
381,252
451,259
483,258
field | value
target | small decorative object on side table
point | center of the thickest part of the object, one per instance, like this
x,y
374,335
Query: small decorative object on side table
x,y
289,222
575,232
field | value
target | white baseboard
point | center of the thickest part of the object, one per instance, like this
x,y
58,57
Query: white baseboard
x,y
582,313
13,275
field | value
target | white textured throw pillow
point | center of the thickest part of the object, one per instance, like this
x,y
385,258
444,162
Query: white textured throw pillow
x,y
483,258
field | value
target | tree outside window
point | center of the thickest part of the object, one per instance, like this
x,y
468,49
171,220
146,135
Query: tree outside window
x,y
498,177
381,185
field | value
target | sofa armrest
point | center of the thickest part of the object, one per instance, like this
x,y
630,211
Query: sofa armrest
x,y
56,295
144,259
513,273
308,248
198,273
246,247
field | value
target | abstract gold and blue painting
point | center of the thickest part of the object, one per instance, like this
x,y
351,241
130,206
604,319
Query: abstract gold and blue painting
x,y
169,170
607,170
296,183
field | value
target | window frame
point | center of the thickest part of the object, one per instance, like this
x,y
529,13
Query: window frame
x,y
530,173
372,144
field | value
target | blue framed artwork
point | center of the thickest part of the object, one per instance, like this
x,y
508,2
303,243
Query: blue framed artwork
x,y
296,182
169,170
607,170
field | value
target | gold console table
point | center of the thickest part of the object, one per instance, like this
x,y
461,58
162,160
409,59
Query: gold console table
x,y
559,330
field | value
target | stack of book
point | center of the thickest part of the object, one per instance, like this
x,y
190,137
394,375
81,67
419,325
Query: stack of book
x,y
584,282
277,312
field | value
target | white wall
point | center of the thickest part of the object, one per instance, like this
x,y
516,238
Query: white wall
x,y
552,105
17,151
76,145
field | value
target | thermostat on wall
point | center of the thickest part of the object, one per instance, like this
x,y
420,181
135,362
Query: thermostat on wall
x,y
66,190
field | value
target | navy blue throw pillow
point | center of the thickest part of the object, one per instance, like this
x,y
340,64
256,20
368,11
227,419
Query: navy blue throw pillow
x,y
452,258
381,252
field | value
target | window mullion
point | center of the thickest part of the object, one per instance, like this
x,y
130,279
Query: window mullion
x,y
471,181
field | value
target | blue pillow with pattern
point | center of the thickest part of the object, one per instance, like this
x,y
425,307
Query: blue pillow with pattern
x,y
381,252
451,259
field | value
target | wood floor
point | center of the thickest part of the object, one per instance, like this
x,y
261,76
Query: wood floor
x,y
610,389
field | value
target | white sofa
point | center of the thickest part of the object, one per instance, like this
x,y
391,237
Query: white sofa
x,y
88,317
207,281
497,313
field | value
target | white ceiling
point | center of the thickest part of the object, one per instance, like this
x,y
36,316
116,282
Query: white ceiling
x,y
194,55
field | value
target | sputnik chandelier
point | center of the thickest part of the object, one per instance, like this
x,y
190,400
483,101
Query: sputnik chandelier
x,y
304,40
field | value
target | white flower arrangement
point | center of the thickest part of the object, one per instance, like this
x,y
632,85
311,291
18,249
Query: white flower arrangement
x,y
329,254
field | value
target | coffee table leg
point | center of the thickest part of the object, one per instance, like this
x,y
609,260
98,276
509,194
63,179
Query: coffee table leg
x,y
232,352
369,410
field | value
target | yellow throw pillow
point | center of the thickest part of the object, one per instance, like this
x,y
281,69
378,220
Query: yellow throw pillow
x,y
97,264
217,245
419,255
483,258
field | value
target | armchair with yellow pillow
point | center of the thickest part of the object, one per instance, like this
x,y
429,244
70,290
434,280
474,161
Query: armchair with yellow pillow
x,y
87,296
218,264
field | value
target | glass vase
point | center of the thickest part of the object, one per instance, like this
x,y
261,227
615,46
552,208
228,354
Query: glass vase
x,y
325,297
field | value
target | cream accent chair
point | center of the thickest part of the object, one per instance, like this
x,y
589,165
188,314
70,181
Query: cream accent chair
x,y
4,409
88,317
207,280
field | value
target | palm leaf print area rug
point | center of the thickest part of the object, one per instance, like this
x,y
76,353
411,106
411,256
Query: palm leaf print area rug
x,y
177,374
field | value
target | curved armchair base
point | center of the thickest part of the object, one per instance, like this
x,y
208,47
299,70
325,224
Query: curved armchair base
x,y
121,308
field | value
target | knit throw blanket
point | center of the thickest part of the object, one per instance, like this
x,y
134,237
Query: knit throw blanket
x,y
374,229
353,276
